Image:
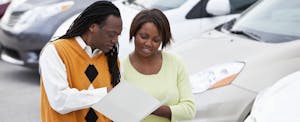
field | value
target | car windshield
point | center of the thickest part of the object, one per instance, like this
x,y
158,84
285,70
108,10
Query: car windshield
x,y
4,1
159,4
271,21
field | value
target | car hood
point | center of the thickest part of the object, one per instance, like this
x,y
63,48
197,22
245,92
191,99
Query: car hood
x,y
215,47
284,95
126,12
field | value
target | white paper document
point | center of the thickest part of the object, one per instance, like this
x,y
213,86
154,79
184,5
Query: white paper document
x,y
127,103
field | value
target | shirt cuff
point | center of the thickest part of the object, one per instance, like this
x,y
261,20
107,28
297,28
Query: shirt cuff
x,y
101,92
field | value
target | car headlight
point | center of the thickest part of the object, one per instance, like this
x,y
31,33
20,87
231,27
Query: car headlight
x,y
215,76
33,15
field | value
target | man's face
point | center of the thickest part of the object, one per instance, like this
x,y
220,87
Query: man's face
x,y
106,36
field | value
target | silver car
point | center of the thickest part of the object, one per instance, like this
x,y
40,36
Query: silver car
x,y
228,66
28,25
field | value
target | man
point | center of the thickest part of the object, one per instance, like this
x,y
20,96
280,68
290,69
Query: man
x,y
80,67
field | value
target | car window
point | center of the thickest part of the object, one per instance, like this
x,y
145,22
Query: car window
x,y
198,11
4,1
237,6
159,4
272,20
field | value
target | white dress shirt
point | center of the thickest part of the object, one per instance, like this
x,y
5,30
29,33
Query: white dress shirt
x,y
62,98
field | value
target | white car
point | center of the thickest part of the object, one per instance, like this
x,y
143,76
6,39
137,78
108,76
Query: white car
x,y
228,66
187,18
278,103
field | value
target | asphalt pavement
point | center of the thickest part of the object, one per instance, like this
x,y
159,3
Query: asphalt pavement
x,y
19,94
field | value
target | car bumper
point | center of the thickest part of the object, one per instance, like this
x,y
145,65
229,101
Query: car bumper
x,y
225,104
21,49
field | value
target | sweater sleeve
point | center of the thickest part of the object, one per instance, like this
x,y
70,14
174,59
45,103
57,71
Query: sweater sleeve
x,y
185,109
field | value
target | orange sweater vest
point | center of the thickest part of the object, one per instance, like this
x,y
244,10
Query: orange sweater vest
x,y
76,62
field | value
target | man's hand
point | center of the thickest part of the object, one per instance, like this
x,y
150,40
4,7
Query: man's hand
x,y
108,90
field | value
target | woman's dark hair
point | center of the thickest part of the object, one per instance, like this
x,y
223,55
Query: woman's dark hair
x,y
156,17
97,13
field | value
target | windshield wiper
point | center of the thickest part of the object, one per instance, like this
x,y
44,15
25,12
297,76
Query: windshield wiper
x,y
137,4
134,3
247,34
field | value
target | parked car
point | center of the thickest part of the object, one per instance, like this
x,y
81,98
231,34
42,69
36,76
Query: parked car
x,y
278,103
24,32
229,65
28,25
187,18
3,6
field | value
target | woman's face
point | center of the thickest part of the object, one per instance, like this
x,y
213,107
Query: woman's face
x,y
147,40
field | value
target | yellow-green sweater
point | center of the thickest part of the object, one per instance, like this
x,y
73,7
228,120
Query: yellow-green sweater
x,y
172,80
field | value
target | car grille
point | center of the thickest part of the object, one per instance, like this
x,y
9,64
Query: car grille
x,y
12,53
14,17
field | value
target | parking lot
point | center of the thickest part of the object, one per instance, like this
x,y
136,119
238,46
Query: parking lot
x,y
19,94
239,70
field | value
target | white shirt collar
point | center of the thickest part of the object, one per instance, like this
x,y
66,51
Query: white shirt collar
x,y
86,47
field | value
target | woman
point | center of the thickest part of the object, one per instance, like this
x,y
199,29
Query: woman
x,y
158,73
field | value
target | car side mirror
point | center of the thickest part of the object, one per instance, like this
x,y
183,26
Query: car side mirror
x,y
218,7
211,8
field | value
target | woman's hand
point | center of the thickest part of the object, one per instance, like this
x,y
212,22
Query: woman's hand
x,y
163,111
